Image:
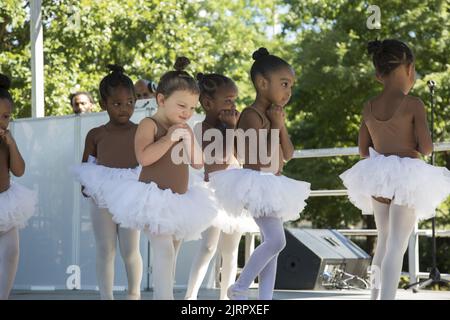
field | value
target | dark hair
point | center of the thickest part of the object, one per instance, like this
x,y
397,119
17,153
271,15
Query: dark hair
x,y
178,79
265,63
5,84
114,79
79,93
209,83
388,54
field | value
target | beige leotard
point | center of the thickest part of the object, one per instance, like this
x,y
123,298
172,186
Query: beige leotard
x,y
164,172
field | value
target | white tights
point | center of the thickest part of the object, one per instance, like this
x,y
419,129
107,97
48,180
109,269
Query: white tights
x,y
106,234
394,226
164,252
263,261
229,245
9,259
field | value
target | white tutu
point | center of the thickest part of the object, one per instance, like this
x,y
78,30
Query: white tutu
x,y
144,206
407,181
231,224
93,177
261,194
17,205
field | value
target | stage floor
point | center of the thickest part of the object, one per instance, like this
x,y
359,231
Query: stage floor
x,y
211,294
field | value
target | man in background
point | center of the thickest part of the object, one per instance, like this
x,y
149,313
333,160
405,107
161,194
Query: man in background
x,y
81,102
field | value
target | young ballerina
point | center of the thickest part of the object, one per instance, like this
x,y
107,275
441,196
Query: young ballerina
x,y
163,202
392,182
109,154
217,97
17,203
268,196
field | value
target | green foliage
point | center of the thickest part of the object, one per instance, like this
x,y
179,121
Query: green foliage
x,y
15,53
82,37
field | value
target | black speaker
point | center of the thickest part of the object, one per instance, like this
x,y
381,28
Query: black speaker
x,y
313,258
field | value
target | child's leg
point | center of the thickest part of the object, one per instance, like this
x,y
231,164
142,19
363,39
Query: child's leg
x,y
176,247
105,231
129,250
229,248
9,259
381,214
401,224
274,241
267,280
208,246
163,263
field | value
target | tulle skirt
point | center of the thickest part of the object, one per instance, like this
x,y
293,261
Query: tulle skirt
x,y
17,205
228,223
144,206
406,181
93,178
260,194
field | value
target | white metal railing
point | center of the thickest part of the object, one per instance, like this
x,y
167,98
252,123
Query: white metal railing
x,y
413,247
349,151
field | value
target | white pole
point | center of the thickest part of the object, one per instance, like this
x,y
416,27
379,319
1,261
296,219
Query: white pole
x,y
37,60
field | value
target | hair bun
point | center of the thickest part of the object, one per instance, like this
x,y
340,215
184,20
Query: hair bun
x,y
5,82
373,47
181,63
116,68
260,53
200,77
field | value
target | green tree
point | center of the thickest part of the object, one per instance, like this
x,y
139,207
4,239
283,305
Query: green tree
x,y
82,37
15,53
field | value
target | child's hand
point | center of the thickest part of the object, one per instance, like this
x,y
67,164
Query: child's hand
x,y
276,116
6,136
229,117
174,132
182,134
187,134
